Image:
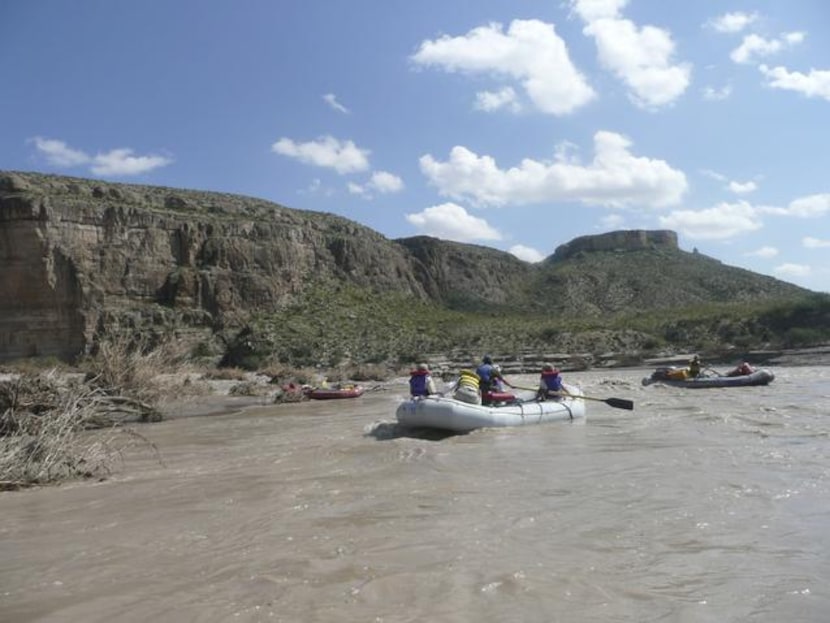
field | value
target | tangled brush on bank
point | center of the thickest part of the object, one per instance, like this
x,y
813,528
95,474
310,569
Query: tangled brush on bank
x,y
53,428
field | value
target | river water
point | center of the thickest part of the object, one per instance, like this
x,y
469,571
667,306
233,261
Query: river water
x,y
698,506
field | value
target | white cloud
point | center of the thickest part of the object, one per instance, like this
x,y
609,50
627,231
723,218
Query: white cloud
x,y
384,182
381,182
814,84
123,162
529,52
331,100
356,189
714,175
592,10
713,94
527,254
59,154
614,178
452,222
811,206
327,151
494,100
732,22
722,221
642,57
738,188
116,162
754,46
765,252
742,188
814,243
792,270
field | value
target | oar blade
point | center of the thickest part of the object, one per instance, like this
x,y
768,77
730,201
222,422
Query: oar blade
x,y
620,403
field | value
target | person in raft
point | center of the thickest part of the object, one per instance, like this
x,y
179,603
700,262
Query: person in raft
x,y
744,369
420,381
490,379
694,367
550,384
467,388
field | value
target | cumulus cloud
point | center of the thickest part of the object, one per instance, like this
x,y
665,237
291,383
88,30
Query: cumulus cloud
x,y
614,178
732,22
754,46
713,94
722,221
331,100
59,154
738,188
787,271
527,254
765,252
489,101
122,162
452,222
641,57
529,52
328,152
811,206
117,162
593,10
385,182
742,188
814,84
814,243
381,182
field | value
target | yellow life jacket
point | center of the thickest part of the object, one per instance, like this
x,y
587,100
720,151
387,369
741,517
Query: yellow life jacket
x,y
468,378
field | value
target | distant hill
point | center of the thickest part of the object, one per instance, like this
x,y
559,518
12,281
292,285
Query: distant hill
x,y
82,258
621,271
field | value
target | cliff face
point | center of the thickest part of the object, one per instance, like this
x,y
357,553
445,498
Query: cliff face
x,y
626,240
80,256
77,254
465,276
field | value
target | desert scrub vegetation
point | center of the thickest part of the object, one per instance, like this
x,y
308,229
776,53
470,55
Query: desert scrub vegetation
x,y
54,428
56,425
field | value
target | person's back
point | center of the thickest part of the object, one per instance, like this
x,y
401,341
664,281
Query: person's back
x,y
467,388
420,381
694,367
485,372
744,369
550,382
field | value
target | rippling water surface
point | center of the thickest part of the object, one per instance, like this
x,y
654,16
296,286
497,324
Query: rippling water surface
x,y
700,505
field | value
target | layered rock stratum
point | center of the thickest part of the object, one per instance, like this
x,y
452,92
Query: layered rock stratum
x,y
82,256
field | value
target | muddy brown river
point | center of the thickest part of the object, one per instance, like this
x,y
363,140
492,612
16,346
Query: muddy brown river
x,y
698,506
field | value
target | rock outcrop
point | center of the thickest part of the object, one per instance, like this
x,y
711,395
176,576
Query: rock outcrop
x,y
80,257
78,254
628,240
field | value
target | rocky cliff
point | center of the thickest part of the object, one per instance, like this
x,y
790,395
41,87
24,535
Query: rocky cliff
x,y
81,256
78,254
629,240
466,276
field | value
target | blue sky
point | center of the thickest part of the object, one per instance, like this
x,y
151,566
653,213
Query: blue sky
x,y
514,124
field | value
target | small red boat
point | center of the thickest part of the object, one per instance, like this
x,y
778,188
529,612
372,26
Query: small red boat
x,y
337,391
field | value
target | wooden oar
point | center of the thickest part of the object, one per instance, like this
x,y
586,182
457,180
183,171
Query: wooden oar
x,y
617,403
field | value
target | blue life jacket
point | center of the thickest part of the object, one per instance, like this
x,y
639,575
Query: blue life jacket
x,y
418,383
553,381
485,373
